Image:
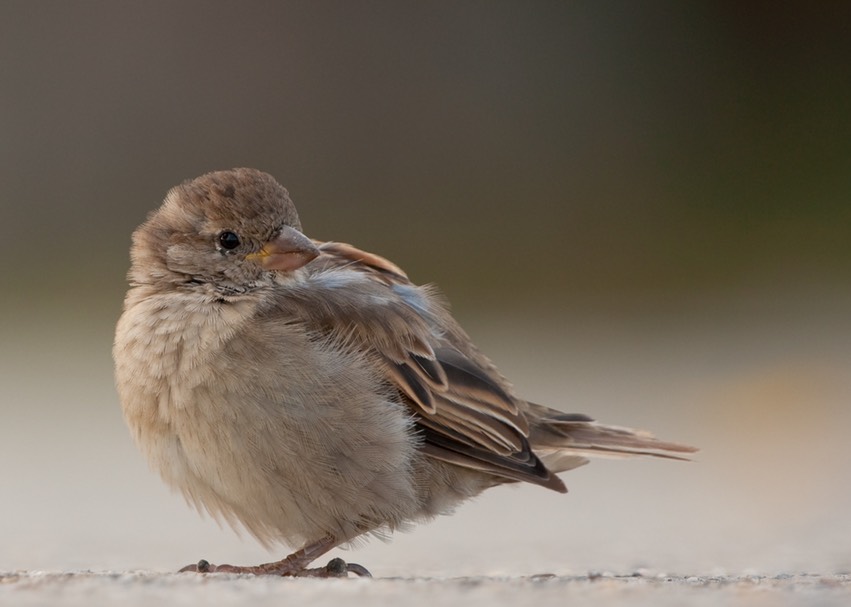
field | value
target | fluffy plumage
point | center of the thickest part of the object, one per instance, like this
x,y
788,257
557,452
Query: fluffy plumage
x,y
307,390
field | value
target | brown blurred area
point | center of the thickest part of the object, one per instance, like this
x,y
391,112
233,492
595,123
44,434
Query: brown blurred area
x,y
563,147
641,210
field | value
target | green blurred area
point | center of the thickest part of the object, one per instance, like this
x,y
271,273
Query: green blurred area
x,y
506,150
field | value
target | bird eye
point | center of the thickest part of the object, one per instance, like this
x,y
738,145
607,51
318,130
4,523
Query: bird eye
x,y
228,240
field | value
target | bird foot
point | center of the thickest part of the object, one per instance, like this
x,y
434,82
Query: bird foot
x,y
336,567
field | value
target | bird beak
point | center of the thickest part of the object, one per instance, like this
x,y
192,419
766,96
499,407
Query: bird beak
x,y
289,251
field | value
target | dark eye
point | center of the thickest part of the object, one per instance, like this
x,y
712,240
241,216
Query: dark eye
x,y
228,240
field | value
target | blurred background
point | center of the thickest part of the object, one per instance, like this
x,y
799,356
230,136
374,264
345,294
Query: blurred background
x,y
641,211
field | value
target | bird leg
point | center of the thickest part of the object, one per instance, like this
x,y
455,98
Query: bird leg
x,y
294,565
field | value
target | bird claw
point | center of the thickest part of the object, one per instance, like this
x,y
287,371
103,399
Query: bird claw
x,y
358,570
336,567
202,566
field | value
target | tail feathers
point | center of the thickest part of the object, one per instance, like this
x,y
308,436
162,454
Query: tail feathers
x,y
558,460
563,439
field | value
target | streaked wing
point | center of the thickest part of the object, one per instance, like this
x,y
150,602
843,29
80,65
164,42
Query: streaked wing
x,y
464,409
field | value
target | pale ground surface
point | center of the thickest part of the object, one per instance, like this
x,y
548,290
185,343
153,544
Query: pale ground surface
x,y
762,385
145,588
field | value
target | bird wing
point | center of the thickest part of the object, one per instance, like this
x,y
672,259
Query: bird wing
x,y
464,409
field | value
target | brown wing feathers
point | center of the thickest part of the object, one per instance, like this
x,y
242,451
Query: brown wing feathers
x,y
461,405
465,415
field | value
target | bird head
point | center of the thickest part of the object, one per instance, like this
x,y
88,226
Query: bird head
x,y
230,230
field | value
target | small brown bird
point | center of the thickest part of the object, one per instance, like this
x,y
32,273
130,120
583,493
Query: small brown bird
x,y
309,391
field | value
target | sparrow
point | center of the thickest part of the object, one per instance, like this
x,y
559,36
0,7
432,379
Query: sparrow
x,y
308,391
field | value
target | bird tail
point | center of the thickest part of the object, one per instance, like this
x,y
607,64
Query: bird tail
x,y
564,441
